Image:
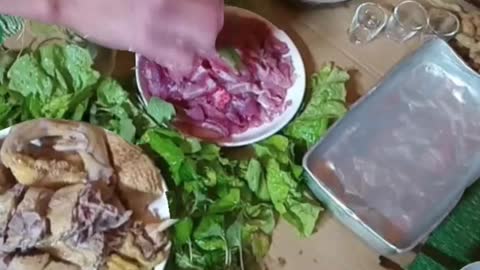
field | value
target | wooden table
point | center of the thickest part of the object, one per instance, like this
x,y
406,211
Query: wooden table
x,y
321,35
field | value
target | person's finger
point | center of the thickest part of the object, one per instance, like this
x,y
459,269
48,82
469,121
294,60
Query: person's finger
x,y
220,10
195,22
49,11
176,58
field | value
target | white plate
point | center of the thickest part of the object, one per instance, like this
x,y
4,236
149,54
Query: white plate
x,y
159,207
294,95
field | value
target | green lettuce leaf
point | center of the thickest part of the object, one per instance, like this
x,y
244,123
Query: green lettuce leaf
x,y
256,181
168,150
227,202
327,103
259,217
160,110
6,60
78,63
56,107
110,93
302,215
232,58
183,231
10,26
260,245
279,184
210,233
27,77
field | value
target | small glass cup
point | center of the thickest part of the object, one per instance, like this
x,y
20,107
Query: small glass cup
x,y
368,21
408,19
442,23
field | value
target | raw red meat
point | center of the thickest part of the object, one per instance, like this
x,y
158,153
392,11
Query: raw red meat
x,y
216,100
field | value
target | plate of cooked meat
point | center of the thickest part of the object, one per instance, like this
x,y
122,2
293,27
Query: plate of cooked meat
x,y
74,196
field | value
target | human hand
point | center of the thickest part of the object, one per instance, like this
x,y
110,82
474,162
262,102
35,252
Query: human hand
x,y
171,32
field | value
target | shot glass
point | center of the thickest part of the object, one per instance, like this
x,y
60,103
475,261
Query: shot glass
x,y
407,20
368,21
442,23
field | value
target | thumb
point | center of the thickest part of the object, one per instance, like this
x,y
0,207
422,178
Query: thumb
x,y
179,61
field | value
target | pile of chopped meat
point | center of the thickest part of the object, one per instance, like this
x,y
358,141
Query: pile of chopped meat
x,y
242,87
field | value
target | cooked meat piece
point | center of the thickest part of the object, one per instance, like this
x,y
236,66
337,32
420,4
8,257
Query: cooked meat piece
x,y
116,262
5,260
8,202
92,215
61,210
29,262
139,203
7,181
28,225
139,180
474,2
72,138
149,245
89,255
135,170
61,266
78,212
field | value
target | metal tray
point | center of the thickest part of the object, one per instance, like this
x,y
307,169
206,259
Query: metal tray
x,y
399,162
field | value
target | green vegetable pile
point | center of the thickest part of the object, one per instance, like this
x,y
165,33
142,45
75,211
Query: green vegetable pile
x,y
10,26
226,208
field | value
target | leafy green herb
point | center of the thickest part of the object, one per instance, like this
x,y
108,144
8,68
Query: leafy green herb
x,y
210,234
260,245
259,217
110,94
6,60
327,103
126,129
183,231
168,150
232,57
256,181
227,202
302,215
279,184
27,77
42,30
160,110
10,26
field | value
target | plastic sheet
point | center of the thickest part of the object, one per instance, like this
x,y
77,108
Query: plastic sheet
x,y
401,158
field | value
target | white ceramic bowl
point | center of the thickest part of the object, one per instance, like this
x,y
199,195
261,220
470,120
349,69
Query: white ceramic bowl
x,y
294,95
159,207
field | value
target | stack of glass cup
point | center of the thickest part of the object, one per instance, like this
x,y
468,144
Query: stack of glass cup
x,y
408,19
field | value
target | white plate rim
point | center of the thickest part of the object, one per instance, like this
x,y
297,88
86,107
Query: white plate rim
x,y
295,94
